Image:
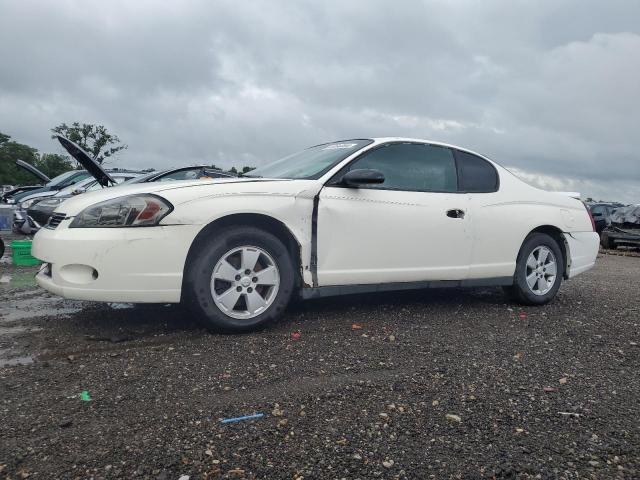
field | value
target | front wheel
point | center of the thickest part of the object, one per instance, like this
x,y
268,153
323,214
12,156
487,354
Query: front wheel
x,y
606,242
539,270
240,280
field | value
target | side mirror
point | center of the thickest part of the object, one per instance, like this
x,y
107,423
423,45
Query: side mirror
x,y
359,177
78,191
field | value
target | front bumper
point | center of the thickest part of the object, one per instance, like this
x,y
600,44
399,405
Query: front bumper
x,y
39,215
140,265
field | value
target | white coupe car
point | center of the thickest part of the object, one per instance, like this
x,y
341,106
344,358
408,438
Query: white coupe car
x,y
353,216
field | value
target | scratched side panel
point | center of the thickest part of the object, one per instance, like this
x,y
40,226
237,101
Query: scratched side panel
x,y
290,202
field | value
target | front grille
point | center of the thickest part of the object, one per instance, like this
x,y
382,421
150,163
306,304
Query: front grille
x,y
55,220
39,216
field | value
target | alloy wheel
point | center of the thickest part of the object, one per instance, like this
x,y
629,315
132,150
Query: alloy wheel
x,y
541,270
245,282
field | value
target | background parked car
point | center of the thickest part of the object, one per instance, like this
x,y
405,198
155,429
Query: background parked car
x,y
624,228
601,213
93,173
192,172
39,212
9,195
57,183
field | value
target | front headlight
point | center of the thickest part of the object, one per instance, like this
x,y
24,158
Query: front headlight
x,y
143,210
51,202
27,203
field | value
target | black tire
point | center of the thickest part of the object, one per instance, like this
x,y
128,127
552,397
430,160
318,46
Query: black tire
x,y
606,242
520,290
197,291
1,248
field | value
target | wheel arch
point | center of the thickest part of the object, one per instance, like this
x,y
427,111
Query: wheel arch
x,y
258,220
558,235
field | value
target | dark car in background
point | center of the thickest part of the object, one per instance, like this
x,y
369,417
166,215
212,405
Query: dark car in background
x,y
57,183
39,212
192,172
9,194
28,218
601,213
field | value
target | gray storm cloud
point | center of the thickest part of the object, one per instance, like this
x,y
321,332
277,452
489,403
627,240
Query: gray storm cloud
x,y
551,89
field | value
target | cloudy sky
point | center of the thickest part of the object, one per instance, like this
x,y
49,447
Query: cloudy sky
x,y
550,89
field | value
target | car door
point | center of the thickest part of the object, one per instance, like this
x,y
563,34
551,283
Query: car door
x,y
492,213
411,227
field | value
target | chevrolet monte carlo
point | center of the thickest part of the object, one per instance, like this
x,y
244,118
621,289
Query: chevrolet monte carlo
x,y
353,216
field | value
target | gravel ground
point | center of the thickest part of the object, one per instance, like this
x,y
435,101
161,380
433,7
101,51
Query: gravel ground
x,y
428,384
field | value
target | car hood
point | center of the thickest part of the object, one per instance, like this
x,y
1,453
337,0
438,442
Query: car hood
x,y
184,191
33,170
89,164
39,193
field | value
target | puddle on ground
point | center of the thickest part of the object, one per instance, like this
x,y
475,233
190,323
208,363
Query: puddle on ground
x,y
14,329
37,307
12,362
17,280
120,306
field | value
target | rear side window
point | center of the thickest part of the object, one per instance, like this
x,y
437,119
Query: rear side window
x,y
475,174
411,167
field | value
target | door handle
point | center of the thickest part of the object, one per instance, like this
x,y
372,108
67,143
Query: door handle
x,y
455,213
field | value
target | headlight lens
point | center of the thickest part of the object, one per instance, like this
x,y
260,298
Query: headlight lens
x,y
131,211
27,203
51,202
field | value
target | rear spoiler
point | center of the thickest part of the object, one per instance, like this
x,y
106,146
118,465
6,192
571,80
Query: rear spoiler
x,y
570,194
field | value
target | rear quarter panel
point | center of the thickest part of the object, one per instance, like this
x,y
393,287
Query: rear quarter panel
x,y
502,220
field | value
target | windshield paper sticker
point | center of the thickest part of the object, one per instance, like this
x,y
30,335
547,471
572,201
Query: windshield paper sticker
x,y
339,146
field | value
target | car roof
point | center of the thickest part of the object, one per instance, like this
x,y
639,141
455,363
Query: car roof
x,y
422,140
379,140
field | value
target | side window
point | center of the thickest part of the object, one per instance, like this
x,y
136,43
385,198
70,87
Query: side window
x,y
475,174
92,187
412,167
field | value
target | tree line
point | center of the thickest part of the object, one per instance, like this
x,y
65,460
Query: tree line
x,y
96,140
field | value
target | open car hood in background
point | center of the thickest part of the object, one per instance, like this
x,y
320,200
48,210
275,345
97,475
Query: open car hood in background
x,y
86,161
33,170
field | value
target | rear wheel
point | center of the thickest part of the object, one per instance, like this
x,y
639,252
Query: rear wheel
x,y
240,280
539,270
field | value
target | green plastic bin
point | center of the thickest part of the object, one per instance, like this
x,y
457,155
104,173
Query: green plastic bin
x,y
21,250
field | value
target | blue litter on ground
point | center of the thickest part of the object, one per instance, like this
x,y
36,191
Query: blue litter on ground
x,y
241,419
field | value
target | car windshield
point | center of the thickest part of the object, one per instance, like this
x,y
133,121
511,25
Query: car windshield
x,y
68,178
311,163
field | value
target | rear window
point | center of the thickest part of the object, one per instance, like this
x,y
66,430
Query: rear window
x,y
475,174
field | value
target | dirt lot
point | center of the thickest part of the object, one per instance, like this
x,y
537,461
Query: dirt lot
x,y
429,384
